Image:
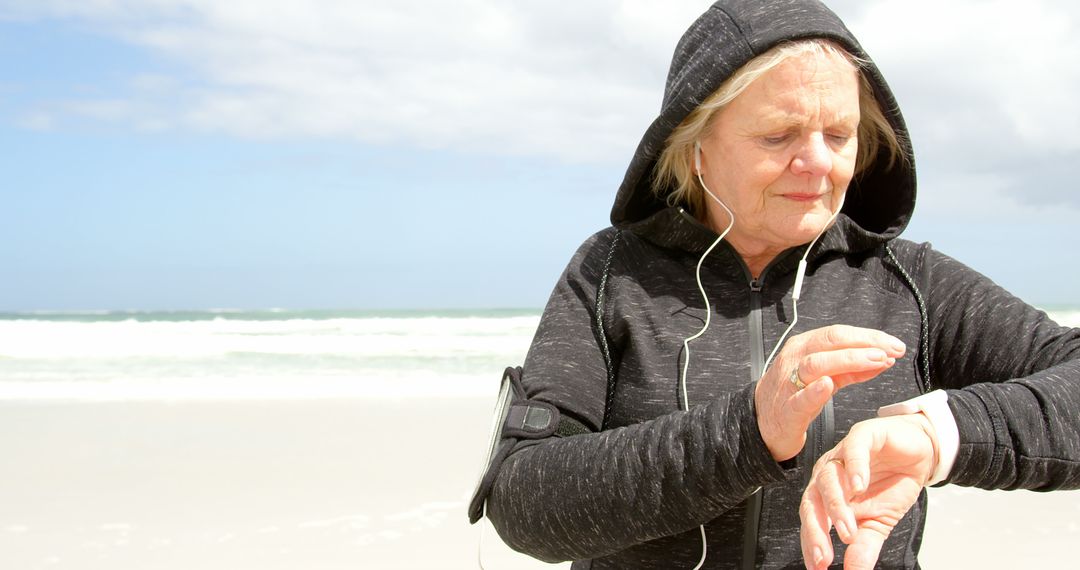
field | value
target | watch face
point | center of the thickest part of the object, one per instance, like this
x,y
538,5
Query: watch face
x,y
502,407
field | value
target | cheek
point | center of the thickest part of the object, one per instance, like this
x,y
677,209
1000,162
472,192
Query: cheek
x,y
745,189
843,171
749,178
762,178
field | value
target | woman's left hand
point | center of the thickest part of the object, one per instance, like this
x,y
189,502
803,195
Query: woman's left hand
x,y
864,486
824,360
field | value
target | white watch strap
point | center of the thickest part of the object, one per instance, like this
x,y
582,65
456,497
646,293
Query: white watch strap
x,y
934,405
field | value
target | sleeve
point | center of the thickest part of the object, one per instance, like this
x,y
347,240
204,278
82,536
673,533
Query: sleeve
x,y
593,494
1013,377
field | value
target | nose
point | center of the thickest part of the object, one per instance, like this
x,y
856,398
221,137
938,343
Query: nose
x,y
813,157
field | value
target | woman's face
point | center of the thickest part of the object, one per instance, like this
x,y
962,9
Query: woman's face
x,y
782,153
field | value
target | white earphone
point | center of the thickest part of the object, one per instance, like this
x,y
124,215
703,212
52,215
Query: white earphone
x,y
708,313
795,294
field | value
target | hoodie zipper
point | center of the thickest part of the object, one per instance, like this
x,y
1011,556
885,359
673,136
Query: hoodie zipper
x,y
819,438
757,333
819,435
757,365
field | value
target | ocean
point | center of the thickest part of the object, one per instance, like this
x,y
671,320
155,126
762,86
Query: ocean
x,y
266,354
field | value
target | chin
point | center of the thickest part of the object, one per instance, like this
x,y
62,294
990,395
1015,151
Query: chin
x,y
808,230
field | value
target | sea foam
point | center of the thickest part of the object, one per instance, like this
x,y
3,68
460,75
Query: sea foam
x,y
279,356
221,358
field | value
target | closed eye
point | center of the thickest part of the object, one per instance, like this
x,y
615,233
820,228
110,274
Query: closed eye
x,y
840,139
776,140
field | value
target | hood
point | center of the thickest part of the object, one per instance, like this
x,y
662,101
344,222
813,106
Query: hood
x,y
879,202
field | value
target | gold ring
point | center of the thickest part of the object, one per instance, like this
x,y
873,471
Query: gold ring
x,y
795,380
837,461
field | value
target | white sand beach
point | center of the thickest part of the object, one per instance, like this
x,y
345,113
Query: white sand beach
x,y
325,484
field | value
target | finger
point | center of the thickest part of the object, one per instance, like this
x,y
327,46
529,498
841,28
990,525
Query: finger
x,y
835,337
814,531
855,450
844,362
784,419
845,380
805,405
863,552
831,485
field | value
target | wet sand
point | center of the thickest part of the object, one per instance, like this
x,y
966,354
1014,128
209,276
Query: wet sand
x,y
326,484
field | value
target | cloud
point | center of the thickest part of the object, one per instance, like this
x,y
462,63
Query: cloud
x,y
36,121
578,84
986,87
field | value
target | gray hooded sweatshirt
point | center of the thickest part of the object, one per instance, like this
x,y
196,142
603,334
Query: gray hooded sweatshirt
x,y
633,491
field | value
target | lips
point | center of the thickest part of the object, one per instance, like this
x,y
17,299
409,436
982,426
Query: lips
x,y
801,197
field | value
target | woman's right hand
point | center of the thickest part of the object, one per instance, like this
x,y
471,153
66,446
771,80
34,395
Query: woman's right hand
x,y
864,486
827,359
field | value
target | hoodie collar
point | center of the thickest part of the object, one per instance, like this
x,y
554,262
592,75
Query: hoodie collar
x,y
674,228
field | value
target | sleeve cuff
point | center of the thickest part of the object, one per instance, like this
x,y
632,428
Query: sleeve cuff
x,y
934,405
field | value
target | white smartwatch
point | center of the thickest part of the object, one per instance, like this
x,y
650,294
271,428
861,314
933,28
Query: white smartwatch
x,y
934,405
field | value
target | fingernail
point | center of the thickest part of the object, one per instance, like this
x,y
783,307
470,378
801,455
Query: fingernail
x,y
876,355
898,345
819,556
890,361
821,386
857,483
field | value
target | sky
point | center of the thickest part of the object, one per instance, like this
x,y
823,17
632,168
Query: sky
x,y
193,154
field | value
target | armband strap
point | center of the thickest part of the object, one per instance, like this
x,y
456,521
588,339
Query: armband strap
x,y
535,420
935,406
570,426
531,420
517,418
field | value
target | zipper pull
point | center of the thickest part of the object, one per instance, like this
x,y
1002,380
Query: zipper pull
x,y
755,286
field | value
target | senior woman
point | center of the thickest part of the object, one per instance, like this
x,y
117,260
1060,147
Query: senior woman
x,y
750,304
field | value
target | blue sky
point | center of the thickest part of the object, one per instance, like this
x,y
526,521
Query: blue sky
x,y
193,154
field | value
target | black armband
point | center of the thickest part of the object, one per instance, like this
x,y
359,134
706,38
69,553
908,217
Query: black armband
x,y
516,418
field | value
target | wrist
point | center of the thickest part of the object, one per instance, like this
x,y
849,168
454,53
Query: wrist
x,y
942,430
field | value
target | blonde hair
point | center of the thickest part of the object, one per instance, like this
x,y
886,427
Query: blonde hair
x,y
674,169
